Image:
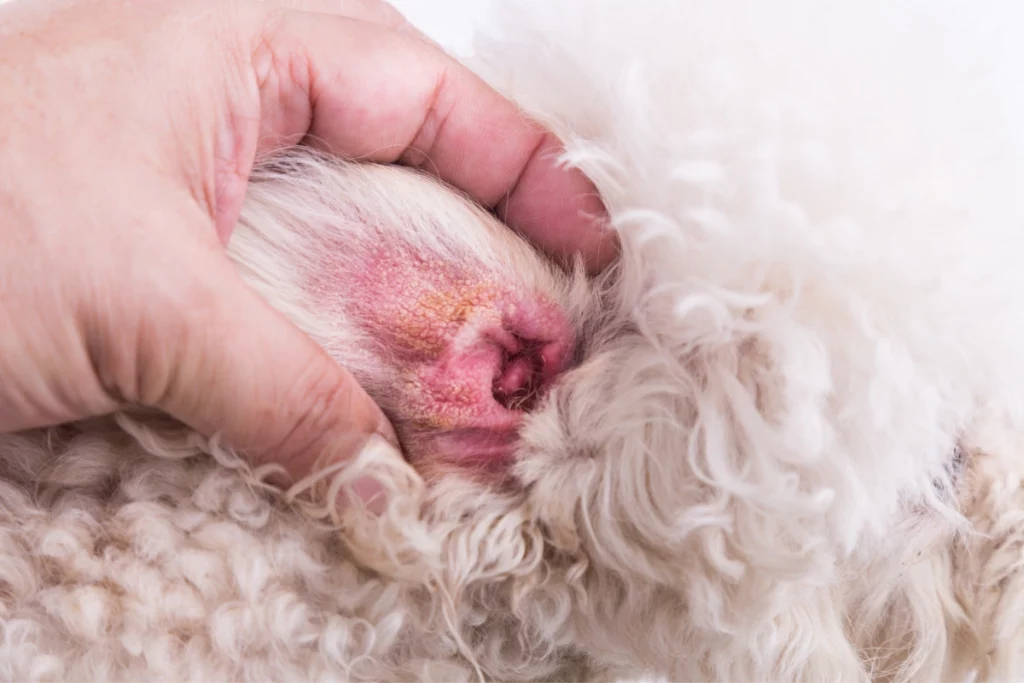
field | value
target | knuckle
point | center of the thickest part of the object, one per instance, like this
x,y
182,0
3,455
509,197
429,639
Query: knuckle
x,y
141,354
125,354
437,108
322,417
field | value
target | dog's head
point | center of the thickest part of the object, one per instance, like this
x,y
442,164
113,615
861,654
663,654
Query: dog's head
x,y
643,455
766,395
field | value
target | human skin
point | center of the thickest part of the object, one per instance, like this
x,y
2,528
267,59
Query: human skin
x,y
129,131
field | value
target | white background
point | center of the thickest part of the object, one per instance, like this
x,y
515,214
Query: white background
x,y
450,22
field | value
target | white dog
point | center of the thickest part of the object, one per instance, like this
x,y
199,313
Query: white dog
x,y
779,441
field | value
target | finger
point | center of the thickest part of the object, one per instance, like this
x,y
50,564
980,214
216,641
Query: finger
x,y
376,94
239,369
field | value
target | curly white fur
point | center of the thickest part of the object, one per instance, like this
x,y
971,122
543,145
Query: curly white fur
x,y
789,452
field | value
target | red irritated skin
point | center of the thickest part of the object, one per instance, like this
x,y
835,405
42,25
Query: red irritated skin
x,y
472,356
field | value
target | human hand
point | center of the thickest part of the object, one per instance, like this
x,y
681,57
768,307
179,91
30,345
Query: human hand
x,y
129,131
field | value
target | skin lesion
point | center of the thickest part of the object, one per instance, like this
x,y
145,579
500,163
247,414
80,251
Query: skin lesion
x,y
422,305
440,316
469,353
454,391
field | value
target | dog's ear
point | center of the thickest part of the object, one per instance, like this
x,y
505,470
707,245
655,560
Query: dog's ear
x,y
452,323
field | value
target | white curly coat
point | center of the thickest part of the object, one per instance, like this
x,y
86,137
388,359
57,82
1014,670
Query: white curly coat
x,y
790,451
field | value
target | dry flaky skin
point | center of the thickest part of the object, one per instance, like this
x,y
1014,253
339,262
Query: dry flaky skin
x,y
789,449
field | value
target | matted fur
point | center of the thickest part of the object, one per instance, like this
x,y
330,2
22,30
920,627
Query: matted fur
x,y
790,451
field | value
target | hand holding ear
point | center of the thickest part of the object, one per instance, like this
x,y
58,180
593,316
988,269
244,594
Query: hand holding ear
x,y
129,133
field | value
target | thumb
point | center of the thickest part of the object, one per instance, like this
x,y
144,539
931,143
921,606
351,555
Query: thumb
x,y
242,371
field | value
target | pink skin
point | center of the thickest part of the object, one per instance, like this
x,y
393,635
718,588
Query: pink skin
x,y
472,356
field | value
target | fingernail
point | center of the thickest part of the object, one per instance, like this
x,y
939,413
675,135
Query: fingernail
x,y
367,489
372,493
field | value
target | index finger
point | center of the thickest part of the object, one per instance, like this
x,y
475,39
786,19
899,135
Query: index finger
x,y
380,95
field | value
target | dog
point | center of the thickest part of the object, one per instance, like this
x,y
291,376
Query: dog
x,y
777,440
